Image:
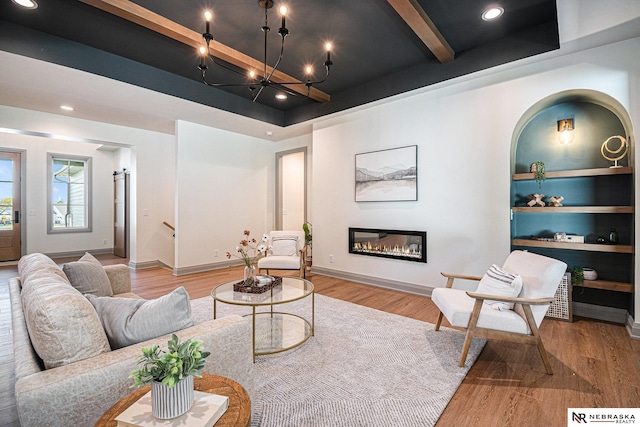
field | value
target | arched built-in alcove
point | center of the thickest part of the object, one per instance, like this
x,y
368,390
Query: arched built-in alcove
x,y
597,198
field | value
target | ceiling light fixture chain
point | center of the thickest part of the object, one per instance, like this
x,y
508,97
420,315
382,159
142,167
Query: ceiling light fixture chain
x,y
255,85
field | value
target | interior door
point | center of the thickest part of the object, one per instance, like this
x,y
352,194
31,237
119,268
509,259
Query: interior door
x,y
121,213
10,242
291,186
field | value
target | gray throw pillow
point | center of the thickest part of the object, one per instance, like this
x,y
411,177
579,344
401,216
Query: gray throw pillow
x,y
88,276
128,321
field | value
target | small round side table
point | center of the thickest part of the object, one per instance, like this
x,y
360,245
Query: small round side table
x,y
238,414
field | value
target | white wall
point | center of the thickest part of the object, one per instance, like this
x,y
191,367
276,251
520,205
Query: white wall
x,y
224,185
293,188
151,161
102,166
464,130
300,142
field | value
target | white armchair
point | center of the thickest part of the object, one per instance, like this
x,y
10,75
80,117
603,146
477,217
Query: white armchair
x,y
287,252
541,277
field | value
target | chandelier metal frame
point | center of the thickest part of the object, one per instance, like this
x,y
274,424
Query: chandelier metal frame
x,y
258,82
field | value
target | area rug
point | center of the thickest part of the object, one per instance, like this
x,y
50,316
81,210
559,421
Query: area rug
x,y
363,367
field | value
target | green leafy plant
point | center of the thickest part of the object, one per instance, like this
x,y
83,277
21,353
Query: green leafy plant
x,y
577,275
307,233
180,360
539,172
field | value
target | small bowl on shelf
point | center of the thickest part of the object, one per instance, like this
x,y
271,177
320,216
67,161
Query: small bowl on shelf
x,y
590,274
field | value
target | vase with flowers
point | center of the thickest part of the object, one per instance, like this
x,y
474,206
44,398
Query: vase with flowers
x,y
250,250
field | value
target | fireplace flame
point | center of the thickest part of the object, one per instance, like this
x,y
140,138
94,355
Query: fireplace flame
x,y
369,247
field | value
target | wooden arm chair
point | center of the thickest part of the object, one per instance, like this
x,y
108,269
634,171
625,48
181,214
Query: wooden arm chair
x,y
287,252
540,275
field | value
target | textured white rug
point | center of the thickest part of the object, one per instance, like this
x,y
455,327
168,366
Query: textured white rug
x,y
363,367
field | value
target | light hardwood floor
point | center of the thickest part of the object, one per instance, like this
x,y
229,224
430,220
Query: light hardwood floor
x,y
596,364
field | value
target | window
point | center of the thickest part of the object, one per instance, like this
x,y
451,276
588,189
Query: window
x,y
69,207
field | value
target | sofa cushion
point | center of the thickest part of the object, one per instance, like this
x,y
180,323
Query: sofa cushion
x,y
496,281
127,321
88,276
38,265
62,324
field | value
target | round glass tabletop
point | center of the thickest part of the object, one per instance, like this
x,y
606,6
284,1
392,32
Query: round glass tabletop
x,y
291,289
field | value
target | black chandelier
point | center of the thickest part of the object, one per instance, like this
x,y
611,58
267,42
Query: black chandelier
x,y
258,81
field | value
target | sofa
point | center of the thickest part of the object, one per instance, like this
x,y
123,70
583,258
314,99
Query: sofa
x,y
66,373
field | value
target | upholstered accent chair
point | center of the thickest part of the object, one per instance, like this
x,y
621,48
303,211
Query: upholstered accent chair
x,y
286,252
488,315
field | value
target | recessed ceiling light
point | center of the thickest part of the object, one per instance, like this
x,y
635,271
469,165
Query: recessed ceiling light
x,y
281,96
66,107
269,133
29,4
492,13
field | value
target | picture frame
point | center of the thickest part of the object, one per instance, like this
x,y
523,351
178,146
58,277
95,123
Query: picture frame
x,y
389,175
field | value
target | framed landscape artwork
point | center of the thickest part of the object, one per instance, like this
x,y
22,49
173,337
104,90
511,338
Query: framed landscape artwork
x,y
387,175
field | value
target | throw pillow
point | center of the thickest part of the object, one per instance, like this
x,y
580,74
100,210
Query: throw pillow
x,y
128,321
284,245
63,326
88,276
496,281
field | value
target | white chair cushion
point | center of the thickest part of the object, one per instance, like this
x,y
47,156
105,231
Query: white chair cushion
x,y
284,245
498,282
457,306
280,262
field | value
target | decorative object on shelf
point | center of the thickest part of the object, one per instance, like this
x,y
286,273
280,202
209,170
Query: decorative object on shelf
x,y
260,79
613,236
577,275
601,239
561,237
250,251
539,172
535,200
623,148
565,131
258,287
555,201
170,373
589,273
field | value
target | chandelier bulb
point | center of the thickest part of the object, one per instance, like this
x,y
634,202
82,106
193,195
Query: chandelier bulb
x,y
207,17
283,12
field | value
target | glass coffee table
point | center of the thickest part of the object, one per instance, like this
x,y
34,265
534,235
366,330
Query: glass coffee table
x,y
273,331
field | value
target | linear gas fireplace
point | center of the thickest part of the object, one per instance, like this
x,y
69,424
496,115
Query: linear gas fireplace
x,y
396,244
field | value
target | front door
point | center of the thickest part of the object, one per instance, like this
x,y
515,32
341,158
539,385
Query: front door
x,y
9,206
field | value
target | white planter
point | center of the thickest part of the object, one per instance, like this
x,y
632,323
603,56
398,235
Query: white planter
x,y
171,402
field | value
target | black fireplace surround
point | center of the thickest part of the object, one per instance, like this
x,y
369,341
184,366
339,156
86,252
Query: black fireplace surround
x,y
395,244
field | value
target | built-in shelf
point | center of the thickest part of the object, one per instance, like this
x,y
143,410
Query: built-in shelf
x,y
576,209
593,247
576,173
607,285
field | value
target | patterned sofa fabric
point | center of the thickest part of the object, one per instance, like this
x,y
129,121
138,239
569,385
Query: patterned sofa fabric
x,y
80,391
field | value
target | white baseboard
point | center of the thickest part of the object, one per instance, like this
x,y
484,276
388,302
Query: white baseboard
x,y
205,267
633,327
145,264
72,254
396,285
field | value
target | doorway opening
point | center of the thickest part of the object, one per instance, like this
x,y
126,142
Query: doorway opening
x,y
291,189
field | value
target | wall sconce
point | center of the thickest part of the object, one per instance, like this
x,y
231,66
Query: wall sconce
x,y
565,131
